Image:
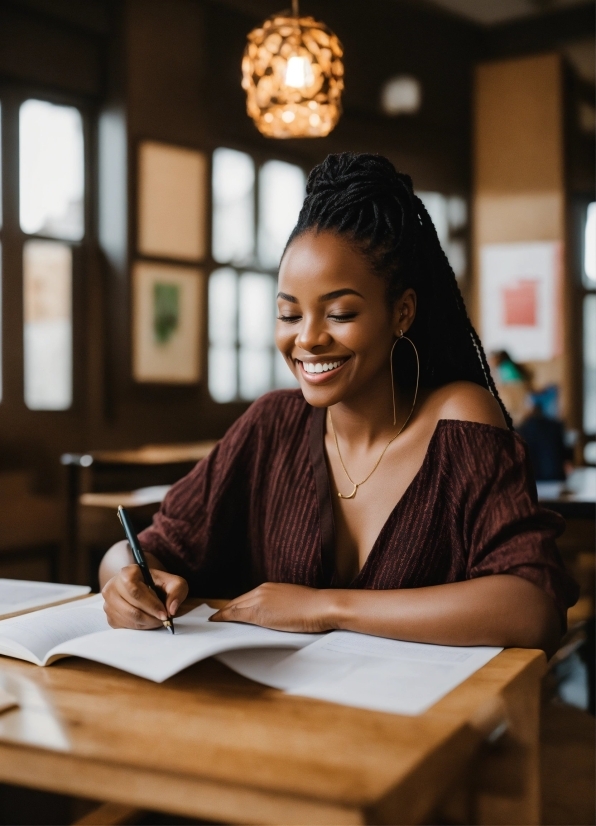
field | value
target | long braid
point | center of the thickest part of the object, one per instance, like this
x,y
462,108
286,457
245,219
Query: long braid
x,y
363,198
459,299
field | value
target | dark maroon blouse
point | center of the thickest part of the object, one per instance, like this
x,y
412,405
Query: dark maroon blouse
x,y
259,509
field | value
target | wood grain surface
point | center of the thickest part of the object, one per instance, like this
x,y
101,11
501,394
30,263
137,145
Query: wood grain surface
x,y
208,743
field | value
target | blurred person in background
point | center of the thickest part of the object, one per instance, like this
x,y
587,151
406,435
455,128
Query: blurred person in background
x,y
535,414
544,433
514,383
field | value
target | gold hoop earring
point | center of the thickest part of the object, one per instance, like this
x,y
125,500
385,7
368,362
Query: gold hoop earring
x,y
357,485
400,338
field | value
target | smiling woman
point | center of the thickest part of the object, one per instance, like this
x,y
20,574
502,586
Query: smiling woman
x,y
389,494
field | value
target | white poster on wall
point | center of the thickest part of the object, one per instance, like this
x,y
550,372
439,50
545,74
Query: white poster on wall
x,y
520,299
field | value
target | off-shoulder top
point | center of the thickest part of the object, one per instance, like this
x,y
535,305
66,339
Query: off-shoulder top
x,y
259,509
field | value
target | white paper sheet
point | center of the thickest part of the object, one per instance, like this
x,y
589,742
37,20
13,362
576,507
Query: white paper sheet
x,y
365,671
157,655
19,595
39,632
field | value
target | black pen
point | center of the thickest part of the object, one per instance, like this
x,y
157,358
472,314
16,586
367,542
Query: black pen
x,y
139,556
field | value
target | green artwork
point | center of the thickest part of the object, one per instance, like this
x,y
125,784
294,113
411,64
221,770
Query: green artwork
x,y
166,311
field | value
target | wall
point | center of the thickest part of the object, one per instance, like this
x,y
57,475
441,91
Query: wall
x,y
519,170
170,70
175,77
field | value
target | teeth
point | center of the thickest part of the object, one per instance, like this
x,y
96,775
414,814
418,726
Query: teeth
x,y
320,367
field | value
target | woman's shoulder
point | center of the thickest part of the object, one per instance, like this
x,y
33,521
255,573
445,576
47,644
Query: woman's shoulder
x,y
464,401
471,434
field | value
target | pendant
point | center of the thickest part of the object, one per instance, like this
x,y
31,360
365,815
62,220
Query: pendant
x,y
349,496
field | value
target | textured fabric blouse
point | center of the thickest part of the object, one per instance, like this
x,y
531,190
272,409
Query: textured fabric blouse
x,y
259,509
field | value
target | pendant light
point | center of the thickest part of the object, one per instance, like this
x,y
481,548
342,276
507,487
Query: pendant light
x,y
292,73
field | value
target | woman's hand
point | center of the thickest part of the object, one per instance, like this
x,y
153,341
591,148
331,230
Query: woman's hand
x,y
129,603
283,607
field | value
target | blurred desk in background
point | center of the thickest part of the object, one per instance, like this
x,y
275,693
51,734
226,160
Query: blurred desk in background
x,y
99,481
575,500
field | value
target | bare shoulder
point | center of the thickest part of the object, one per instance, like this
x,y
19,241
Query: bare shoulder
x,y
466,401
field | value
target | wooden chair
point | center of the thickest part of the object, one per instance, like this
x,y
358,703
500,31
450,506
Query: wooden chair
x,y
31,530
98,482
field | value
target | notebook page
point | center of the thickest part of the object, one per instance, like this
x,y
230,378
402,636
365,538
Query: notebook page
x,y
157,655
18,595
42,630
372,672
260,665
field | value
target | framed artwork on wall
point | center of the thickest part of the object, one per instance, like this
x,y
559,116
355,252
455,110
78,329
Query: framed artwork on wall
x,y
166,323
172,193
520,291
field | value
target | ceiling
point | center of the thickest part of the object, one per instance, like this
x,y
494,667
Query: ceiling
x,y
490,12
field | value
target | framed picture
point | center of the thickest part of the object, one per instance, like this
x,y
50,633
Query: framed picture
x,y
520,287
166,323
172,192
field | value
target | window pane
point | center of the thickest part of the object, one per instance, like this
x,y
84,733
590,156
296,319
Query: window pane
x,y
281,192
458,257
233,206
222,372
223,288
590,247
457,213
47,286
590,364
256,310
51,170
437,207
255,371
223,331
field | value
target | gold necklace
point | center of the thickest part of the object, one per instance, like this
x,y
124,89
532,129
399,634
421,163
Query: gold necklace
x,y
378,462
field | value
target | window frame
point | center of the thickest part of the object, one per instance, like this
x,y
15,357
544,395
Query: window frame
x,y
582,291
259,159
12,403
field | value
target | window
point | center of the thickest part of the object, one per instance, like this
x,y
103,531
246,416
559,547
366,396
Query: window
x,y
254,211
589,332
450,217
51,198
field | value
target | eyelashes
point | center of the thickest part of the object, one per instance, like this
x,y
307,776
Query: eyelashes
x,y
293,319
344,317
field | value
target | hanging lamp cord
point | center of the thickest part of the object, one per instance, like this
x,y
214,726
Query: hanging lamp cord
x,y
295,12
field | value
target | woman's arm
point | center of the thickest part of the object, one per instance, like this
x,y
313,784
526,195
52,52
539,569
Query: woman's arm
x,y
128,602
503,610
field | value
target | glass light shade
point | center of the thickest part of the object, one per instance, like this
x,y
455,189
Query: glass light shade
x,y
292,73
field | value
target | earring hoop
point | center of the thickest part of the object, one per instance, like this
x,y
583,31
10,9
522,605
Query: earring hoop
x,y
400,338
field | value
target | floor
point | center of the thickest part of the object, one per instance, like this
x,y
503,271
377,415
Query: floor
x,y
568,766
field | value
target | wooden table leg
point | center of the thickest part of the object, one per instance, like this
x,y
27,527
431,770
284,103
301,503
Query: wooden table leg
x,y
507,774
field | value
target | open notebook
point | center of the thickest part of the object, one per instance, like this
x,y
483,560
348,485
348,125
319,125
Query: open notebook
x,y
18,596
341,666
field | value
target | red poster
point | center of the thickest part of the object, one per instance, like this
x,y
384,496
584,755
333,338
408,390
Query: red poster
x,y
520,303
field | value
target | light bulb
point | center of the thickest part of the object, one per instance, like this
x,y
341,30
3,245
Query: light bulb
x,y
299,72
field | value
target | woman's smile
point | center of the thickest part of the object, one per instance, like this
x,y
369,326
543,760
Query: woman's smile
x,y
322,370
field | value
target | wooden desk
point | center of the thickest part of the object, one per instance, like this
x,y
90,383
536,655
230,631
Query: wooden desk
x,y
575,498
212,745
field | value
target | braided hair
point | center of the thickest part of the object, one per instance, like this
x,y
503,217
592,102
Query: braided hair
x,y
365,200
